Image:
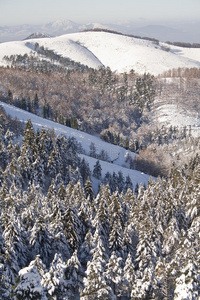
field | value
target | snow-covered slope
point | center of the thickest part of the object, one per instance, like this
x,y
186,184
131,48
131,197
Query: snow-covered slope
x,y
116,155
61,45
172,115
120,53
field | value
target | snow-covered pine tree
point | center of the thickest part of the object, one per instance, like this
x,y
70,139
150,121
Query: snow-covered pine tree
x,y
84,170
40,241
15,241
84,251
114,275
38,173
54,163
145,264
102,218
95,284
5,279
28,283
129,276
54,281
188,283
97,170
88,190
116,237
72,228
74,276
92,152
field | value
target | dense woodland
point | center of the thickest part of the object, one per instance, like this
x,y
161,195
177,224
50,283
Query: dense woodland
x,y
60,240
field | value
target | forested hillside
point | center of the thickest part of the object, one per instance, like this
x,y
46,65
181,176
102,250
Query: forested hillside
x,y
60,239
121,108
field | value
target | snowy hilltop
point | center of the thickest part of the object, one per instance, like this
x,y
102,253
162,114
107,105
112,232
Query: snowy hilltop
x,y
119,52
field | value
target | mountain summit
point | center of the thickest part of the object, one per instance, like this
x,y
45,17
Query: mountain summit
x,y
37,35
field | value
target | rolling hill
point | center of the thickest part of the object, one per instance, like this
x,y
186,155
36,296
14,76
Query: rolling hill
x,y
119,52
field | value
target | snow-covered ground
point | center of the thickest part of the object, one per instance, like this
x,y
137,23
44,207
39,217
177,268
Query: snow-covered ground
x,y
120,53
117,155
171,114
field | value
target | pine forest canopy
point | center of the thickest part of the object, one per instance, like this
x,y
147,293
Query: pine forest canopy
x,y
60,240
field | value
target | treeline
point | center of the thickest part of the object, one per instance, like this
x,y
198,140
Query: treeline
x,y
59,240
185,73
184,45
160,136
155,41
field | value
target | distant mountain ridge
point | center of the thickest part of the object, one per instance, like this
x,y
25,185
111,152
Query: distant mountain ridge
x,y
56,28
161,33
59,27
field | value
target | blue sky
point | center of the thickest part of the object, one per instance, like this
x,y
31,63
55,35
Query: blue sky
x,y
17,12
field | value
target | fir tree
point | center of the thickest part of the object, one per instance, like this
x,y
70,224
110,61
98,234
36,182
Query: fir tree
x,y
84,170
88,190
97,170
72,227
129,276
55,280
120,182
128,183
114,274
28,284
95,284
41,241
74,276
92,152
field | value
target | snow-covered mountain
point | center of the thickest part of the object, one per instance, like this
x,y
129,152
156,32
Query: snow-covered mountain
x,y
37,35
174,32
119,52
55,28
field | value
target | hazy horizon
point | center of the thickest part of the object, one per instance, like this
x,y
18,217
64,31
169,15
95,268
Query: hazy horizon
x,y
37,12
